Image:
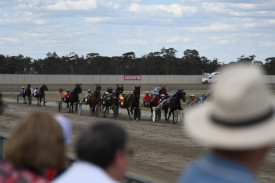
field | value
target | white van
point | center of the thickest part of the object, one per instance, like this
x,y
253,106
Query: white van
x,y
213,77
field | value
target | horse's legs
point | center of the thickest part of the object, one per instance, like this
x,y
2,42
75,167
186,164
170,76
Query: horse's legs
x,y
171,110
129,113
165,113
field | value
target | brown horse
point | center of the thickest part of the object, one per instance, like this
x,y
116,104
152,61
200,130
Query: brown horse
x,y
94,100
131,102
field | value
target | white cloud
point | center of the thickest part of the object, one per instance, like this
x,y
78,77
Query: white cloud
x,y
97,19
176,39
74,5
250,25
212,27
110,4
242,6
33,35
268,44
131,42
9,39
176,9
223,41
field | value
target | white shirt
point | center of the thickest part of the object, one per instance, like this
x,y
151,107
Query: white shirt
x,y
83,172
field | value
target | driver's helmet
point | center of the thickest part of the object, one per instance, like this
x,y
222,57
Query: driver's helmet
x,y
123,93
89,90
106,93
22,87
162,95
147,92
192,95
67,90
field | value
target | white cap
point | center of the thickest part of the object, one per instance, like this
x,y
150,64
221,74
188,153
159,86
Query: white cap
x,y
66,127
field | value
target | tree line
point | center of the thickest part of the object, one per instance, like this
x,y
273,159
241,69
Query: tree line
x,y
163,62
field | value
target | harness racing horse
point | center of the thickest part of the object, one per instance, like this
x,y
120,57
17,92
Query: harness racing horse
x,y
41,95
26,93
174,104
132,102
115,100
94,100
105,104
73,98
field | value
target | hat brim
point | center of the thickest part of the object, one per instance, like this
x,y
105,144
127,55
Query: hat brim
x,y
198,124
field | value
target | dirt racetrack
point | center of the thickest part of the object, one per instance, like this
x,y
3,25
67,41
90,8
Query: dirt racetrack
x,y
161,149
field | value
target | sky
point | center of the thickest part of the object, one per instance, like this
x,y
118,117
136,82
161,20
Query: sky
x,y
217,29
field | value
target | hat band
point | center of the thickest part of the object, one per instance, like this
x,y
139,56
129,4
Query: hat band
x,y
242,123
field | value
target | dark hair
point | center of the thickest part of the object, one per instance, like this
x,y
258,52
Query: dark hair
x,y
99,143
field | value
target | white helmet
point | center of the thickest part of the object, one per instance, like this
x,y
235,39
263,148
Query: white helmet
x,y
162,95
192,95
89,90
106,93
22,87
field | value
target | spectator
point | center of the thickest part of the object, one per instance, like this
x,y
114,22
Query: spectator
x,y
238,125
36,145
103,155
147,99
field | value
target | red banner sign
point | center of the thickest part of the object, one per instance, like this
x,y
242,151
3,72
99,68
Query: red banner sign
x,y
132,77
60,90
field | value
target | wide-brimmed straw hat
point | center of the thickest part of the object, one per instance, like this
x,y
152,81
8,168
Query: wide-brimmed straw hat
x,y
239,115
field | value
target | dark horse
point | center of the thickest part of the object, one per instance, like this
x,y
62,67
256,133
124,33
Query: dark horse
x,y
131,102
174,103
28,94
74,98
94,99
115,100
41,95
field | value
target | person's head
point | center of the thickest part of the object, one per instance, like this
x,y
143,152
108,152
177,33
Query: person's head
x,y
123,94
147,93
162,95
240,114
89,90
67,90
105,145
37,143
22,87
192,96
106,93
